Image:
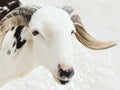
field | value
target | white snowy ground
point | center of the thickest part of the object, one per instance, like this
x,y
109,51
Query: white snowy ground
x,y
95,70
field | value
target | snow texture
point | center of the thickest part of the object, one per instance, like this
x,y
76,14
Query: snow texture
x,y
94,70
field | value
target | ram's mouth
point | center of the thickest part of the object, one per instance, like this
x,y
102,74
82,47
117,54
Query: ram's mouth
x,y
63,82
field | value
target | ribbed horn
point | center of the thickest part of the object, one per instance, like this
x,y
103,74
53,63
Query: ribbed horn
x,y
82,35
90,42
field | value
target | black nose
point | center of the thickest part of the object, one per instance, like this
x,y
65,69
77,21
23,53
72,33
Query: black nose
x,y
66,74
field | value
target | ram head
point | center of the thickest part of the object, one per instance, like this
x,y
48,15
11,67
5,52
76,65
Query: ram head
x,y
43,36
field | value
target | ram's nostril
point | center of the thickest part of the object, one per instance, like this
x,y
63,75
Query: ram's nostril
x,y
66,74
70,73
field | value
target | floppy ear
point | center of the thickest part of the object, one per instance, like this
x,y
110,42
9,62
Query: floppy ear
x,y
18,17
82,35
15,39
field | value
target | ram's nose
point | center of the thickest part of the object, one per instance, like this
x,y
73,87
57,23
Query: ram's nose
x,y
65,75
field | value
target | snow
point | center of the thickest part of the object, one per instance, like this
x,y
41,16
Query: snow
x,y
94,70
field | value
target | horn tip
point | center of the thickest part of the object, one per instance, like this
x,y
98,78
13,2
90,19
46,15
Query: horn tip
x,y
113,43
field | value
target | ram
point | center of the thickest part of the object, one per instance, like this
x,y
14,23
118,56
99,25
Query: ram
x,y
32,36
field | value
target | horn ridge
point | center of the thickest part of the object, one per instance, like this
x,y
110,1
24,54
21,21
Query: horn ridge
x,y
83,36
90,42
24,12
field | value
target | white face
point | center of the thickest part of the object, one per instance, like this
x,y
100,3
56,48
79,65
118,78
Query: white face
x,y
52,42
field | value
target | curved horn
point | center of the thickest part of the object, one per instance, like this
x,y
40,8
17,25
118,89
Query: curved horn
x,y
17,17
81,34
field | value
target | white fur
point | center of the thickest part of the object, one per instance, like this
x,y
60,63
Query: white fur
x,y
51,47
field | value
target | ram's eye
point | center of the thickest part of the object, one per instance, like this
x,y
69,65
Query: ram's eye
x,y
35,32
72,31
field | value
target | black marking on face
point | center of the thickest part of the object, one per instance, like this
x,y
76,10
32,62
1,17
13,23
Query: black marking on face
x,y
18,31
19,42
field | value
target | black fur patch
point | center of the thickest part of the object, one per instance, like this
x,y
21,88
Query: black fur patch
x,y
19,42
18,31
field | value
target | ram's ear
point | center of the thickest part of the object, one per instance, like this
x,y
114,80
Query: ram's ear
x,y
18,17
15,39
82,35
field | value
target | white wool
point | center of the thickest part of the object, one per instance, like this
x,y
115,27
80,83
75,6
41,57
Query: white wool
x,y
51,47
54,26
